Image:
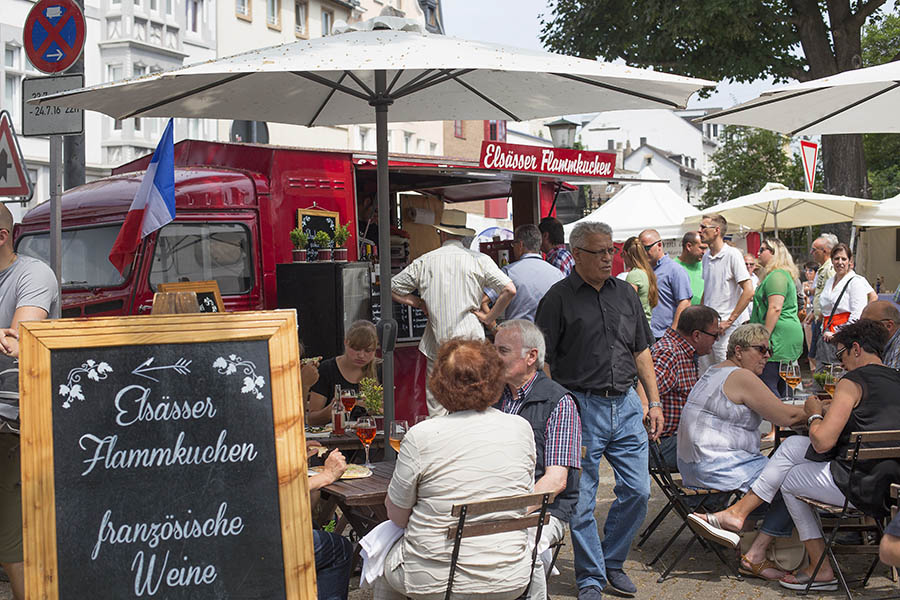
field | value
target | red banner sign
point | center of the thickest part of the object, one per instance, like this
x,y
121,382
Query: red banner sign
x,y
553,161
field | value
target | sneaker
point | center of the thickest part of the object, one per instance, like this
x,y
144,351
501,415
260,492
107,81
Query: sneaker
x,y
620,583
591,592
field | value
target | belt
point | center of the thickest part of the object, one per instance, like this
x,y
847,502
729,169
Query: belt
x,y
606,393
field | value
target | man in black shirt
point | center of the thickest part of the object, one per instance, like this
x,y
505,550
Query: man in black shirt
x,y
597,343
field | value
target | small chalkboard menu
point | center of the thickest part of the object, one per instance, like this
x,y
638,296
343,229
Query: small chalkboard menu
x,y
163,457
311,220
208,297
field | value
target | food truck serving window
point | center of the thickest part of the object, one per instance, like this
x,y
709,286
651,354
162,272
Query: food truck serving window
x,y
85,255
201,252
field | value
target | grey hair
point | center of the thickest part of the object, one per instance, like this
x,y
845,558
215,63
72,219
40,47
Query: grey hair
x,y
582,230
531,336
830,240
745,336
530,236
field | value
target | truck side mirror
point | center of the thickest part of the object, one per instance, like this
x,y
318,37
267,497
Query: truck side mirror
x,y
387,334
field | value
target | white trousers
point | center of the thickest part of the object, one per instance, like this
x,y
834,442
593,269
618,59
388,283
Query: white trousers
x,y
553,532
435,408
789,470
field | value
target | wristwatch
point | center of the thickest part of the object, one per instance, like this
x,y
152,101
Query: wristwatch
x,y
654,405
813,418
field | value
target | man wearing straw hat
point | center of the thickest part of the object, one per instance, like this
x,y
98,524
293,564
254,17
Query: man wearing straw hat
x,y
450,283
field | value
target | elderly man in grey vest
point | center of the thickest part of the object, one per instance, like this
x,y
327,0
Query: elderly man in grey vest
x,y
553,415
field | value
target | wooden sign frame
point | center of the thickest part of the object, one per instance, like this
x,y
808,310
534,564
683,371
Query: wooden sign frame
x,y
40,338
201,287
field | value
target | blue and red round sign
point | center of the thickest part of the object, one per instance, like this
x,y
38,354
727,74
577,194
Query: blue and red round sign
x,y
54,35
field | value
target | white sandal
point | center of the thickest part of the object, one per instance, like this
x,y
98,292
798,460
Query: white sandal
x,y
713,531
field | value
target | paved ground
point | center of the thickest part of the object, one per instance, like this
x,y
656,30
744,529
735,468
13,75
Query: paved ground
x,y
699,576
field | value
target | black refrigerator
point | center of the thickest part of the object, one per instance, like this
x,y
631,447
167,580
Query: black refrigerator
x,y
328,297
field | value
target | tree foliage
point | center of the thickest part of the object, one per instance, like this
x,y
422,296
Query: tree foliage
x,y
748,159
881,44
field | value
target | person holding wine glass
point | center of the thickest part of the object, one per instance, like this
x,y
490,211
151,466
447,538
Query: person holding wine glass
x,y
775,307
346,370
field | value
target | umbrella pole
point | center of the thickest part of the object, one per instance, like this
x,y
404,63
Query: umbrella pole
x,y
381,103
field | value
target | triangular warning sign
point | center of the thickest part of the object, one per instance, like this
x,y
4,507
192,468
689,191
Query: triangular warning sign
x,y
810,153
14,179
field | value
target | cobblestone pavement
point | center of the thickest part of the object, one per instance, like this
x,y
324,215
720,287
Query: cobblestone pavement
x,y
699,576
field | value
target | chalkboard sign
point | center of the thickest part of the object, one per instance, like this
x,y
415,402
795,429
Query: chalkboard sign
x,y
311,220
401,315
162,457
208,297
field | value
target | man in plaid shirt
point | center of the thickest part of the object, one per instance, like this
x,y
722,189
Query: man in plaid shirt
x,y
553,414
553,244
675,362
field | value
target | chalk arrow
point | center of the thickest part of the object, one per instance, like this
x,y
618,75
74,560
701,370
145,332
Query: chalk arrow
x,y
55,57
180,367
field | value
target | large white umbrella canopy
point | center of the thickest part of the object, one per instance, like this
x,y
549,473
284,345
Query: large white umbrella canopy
x,y
776,207
370,68
857,101
884,214
640,206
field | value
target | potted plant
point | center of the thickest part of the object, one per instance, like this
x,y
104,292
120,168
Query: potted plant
x,y
299,239
373,395
341,235
323,241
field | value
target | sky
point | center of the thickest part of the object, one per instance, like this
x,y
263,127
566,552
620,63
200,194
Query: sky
x,y
517,23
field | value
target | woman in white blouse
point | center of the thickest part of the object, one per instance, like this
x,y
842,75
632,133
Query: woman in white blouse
x,y
851,303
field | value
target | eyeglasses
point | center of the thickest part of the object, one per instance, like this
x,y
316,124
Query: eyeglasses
x,y
607,251
647,247
840,352
714,336
766,248
703,227
764,350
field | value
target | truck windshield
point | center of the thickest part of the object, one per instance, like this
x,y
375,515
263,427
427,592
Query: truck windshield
x,y
202,252
85,255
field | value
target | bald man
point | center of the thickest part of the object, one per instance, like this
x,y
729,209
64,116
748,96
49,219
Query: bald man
x,y
28,292
887,314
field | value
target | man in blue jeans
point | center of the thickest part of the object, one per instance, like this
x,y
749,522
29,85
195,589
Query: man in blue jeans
x,y
332,552
597,343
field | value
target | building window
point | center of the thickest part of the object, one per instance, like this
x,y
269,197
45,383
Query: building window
x,y
363,138
458,130
192,10
273,13
11,96
407,142
115,1
137,124
154,5
434,149
327,22
497,131
242,9
301,12
169,7
12,56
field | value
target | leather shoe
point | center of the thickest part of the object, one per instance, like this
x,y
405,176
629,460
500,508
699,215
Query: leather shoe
x,y
620,583
591,592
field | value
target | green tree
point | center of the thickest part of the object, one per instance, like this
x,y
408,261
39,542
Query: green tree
x,y
881,44
748,159
738,40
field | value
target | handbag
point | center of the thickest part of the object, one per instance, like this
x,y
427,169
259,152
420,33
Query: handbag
x,y
788,553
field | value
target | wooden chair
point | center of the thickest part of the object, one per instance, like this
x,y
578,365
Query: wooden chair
x,y
462,529
841,515
682,501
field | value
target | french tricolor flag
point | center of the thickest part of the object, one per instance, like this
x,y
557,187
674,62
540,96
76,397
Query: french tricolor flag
x,y
153,206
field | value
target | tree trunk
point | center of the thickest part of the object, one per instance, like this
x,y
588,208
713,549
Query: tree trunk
x,y
844,164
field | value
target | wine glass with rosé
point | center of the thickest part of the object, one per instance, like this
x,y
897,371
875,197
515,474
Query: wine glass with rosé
x,y
398,431
348,399
365,431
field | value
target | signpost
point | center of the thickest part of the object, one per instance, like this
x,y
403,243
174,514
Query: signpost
x,y
51,120
14,181
810,153
164,457
54,39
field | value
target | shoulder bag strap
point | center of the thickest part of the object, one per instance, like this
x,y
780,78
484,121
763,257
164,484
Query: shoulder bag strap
x,y
841,295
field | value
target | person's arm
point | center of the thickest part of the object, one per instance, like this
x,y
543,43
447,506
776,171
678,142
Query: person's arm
x,y
743,301
335,465
871,297
410,300
9,339
404,283
400,516
889,550
775,303
503,300
319,412
857,295
824,433
745,387
647,377
678,310
548,318
553,480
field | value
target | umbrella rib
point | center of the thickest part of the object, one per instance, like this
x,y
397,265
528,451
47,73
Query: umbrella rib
x,y
617,89
325,102
486,99
394,81
837,212
360,83
328,83
184,95
848,107
730,111
441,77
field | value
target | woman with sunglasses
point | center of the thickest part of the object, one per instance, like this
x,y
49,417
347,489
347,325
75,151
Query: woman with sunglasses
x,y
718,435
640,274
775,307
814,467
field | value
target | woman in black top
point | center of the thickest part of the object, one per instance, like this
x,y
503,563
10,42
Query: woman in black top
x,y
816,467
357,362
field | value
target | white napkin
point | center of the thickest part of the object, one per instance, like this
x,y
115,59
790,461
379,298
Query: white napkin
x,y
374,549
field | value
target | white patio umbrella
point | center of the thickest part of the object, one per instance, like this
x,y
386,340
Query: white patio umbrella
x,y
885,213
776,207
386,63
858,101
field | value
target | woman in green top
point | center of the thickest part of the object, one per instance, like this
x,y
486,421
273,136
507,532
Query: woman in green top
x,y
775,306
640,274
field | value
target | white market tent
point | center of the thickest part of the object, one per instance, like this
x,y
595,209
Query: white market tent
x,y
640,206
876,252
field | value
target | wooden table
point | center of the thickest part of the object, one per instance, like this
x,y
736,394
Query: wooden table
x,y
361,500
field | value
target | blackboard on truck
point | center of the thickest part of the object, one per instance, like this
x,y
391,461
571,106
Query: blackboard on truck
x,y
164,457
311,220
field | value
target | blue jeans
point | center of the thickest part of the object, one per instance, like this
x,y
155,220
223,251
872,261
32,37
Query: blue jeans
x,y
773,380
777,520
610,427
333,554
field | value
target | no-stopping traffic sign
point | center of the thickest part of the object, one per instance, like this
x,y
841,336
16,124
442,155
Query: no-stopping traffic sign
x,y
54,35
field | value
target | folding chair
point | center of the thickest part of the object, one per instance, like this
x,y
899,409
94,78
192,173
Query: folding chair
x,y
843,513
683,501
497,525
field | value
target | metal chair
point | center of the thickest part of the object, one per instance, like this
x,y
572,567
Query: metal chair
x,y
497,525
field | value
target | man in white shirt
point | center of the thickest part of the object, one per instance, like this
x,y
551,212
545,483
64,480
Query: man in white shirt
x,y
450,281
727,287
